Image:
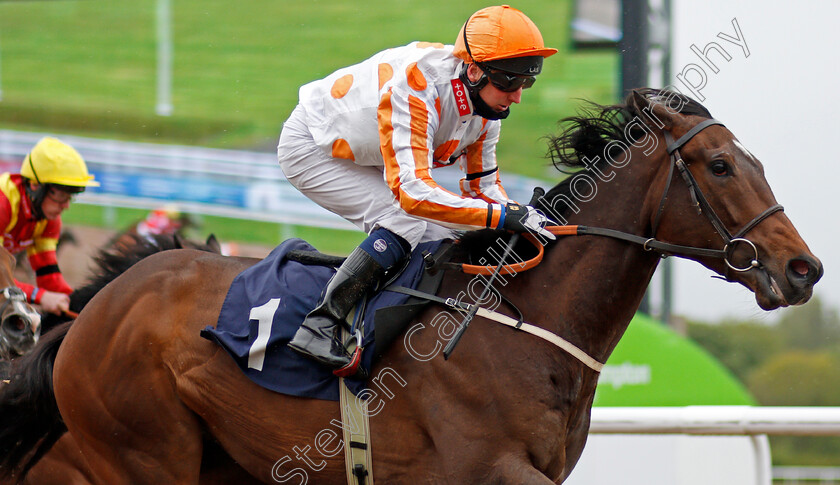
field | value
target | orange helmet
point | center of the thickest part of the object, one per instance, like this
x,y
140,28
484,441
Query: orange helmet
x,y
502,38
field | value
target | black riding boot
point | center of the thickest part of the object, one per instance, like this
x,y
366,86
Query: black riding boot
x,y
316,336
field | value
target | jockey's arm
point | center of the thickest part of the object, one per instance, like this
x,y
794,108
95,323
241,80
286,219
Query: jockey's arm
x,y
51,301
407,126
481,170
52,289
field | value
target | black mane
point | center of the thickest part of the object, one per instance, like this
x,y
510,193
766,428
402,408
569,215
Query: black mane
x,y
115,260
587,135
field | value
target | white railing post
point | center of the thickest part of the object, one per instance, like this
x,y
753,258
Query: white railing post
x,y
164,58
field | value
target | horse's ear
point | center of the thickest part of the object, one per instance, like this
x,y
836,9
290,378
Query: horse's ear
x,y
213,244
179,241
658,112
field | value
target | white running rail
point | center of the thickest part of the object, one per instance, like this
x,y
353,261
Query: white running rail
x,y
230,183
717,420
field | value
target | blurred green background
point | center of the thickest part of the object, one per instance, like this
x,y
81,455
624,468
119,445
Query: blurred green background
x,y
88,67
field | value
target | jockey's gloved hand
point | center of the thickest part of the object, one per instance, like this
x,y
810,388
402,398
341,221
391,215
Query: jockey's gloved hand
x,y
524,218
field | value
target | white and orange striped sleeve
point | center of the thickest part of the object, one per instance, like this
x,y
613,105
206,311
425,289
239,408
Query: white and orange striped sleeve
x,y
408,118
480,168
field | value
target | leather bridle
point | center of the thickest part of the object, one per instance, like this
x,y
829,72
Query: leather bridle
x,y
651,243
703,207
702,204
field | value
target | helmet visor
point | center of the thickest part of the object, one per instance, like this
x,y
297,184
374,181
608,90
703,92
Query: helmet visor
x,y
507,82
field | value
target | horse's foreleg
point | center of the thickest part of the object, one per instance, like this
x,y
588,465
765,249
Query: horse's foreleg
x,y
127,420
64,464
119,451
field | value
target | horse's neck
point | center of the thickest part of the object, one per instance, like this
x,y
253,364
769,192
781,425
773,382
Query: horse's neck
x,y
596,283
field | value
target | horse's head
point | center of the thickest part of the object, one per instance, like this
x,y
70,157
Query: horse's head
x,y
715,196
20,324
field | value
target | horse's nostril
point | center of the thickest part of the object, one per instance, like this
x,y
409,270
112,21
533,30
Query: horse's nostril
x,y
800,267
15,323
804,271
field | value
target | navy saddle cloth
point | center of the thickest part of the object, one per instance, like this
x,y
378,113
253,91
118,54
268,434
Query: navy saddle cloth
x,y
264,308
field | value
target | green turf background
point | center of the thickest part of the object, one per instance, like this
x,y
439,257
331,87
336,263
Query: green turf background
x,y
88,67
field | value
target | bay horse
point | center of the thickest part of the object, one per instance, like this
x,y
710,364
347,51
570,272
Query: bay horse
x,y
140,392
64,464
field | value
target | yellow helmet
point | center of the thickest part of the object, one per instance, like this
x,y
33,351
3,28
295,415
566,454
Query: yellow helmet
x,y
54,162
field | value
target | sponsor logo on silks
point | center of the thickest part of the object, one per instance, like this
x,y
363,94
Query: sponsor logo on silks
x,y
460,94
380,245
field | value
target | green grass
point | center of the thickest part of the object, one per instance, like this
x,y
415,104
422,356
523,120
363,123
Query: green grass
x,y
88,66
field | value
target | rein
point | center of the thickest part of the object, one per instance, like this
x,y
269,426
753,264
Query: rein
x,y
648,244
651,243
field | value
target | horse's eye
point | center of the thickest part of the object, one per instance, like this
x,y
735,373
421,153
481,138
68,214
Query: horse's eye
x,y
719,168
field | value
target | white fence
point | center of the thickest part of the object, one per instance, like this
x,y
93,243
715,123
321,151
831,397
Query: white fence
x,y
811,475
231,183
718,420
699,445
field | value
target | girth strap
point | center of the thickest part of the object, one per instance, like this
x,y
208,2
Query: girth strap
x,y
355,428
542,333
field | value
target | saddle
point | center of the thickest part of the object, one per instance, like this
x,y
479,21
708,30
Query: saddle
x,y
389,321
266,303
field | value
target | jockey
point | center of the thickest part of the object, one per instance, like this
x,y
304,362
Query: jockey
x,y
165,220
31,204
361,143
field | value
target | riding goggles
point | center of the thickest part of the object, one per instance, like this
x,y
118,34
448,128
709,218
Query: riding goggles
x,y
60,196
505,82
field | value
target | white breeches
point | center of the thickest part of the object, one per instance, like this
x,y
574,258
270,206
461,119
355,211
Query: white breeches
x,y
356,193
